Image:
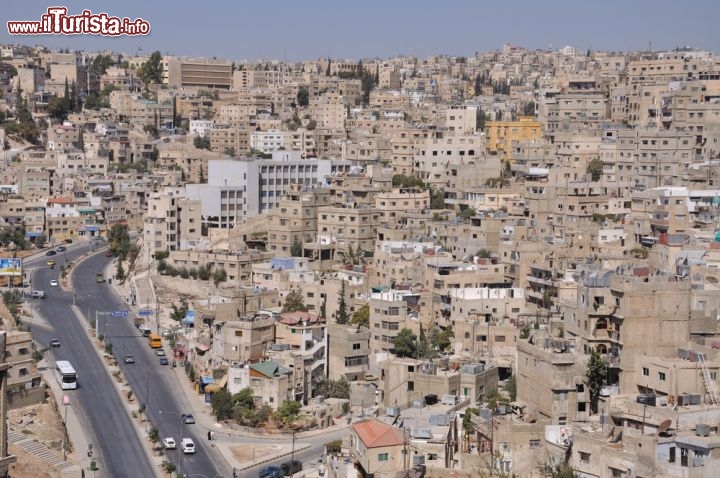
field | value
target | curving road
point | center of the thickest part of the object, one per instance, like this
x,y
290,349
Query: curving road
x,y
118,449
153,384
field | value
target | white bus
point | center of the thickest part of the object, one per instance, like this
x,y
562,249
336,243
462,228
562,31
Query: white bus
x,y
66,375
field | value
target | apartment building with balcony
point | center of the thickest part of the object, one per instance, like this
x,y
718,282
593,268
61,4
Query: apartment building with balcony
x,y
295,219
502,134
548,379
390,312
243,338
348,352
393,204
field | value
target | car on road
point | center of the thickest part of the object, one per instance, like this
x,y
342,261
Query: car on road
x,y
187,445
55,343
272,471
51,262
38,294
53,283
68,241
51,252
188,419
109,254
129,359
164,361
160,353
61,249
169,443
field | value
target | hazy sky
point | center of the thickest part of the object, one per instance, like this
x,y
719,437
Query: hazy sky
x,y
313,29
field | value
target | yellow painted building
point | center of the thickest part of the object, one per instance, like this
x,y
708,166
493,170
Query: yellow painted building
x,y
501,134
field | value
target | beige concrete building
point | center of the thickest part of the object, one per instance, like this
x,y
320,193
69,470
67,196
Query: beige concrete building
x,y
391,312
295,219
377,448
271,383
348,351
24,382
243,339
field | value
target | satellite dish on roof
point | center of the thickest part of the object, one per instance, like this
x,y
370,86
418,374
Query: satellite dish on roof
x,y
664,426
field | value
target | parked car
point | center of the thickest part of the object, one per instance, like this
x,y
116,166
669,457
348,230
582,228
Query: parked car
x,y
53,283
55,343
164,361
271,471
188,419
109,254
188,445
129,359
51,252
160,353
68,241
61,249
169,443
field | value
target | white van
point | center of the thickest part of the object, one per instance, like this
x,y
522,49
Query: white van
x,y
38,294
187,445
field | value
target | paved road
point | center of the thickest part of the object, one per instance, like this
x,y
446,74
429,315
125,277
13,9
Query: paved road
x,y
153,384
118,449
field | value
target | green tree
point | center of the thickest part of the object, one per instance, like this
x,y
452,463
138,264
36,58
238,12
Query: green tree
x,y
342,316
303,96
100,65
151,71
244,399
40,241
559,470
120,271
154,435
222,404
334,388
441,339
483,253
361,317
594,168
59,107
467,213
595,376
437,199
219,275
296,249
405,343
403,181
294,302
201,142
288,411
119,240
493,397
480,119
529,109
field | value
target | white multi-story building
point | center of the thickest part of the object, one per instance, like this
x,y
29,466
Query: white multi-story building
x,y
238,189
201,126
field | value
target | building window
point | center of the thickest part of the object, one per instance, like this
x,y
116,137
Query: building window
x,y
646,371
383,457
534,444
410,386
661,376
356,346
584,457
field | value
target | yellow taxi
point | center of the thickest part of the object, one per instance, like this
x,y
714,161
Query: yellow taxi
x,y
51,262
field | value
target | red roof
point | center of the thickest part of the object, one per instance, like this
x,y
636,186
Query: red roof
x,y
376,434
294,318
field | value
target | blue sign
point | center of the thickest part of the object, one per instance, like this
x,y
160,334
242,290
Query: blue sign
x,y
119,313
145,312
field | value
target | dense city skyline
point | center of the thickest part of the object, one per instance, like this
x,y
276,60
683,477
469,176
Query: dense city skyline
x,y
319,29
